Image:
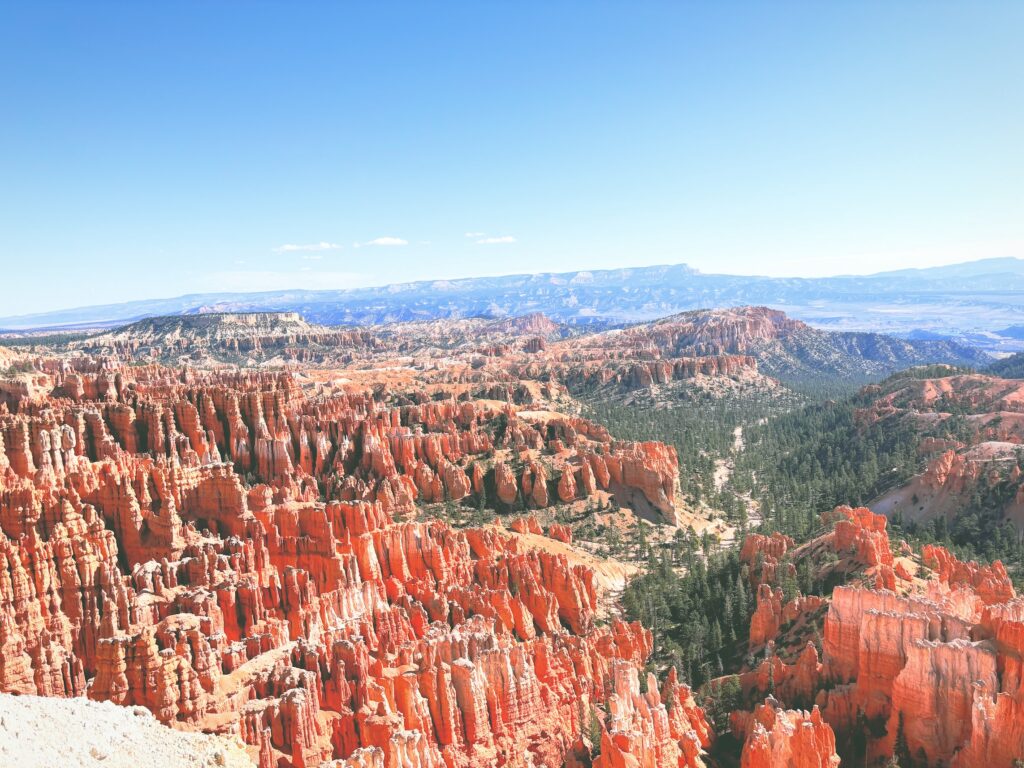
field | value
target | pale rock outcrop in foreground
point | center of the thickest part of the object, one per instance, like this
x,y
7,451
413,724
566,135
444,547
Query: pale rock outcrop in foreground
x,y
39,732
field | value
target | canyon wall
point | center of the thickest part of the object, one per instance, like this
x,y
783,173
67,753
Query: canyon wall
x,y
232,554
923,665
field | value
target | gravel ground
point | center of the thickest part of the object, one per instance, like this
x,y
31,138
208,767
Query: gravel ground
x,y
37,732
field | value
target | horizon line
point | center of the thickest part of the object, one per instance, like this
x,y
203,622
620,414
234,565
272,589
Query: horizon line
x,y
427,281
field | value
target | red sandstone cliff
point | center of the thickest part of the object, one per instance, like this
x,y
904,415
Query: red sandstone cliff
x,y
928,660
164,542
777,738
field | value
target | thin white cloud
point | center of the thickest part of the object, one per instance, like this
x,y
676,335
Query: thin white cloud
x,y
323,245
385,241
475,234
388,241
313,257
500,240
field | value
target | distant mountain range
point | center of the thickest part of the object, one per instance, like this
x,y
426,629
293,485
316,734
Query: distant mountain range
x,y
979,302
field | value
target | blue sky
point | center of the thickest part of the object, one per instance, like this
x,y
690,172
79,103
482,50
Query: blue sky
x,y
156,149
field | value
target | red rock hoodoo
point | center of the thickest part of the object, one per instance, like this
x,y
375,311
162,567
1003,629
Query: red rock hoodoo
x,y
232,553
925,663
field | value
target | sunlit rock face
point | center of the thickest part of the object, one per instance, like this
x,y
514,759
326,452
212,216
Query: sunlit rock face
x,y
779,738
924,663
230,552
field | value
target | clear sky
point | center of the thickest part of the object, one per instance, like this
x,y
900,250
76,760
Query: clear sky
x,y
155,149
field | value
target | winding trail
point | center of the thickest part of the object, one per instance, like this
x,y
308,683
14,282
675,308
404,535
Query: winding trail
x,y
724,467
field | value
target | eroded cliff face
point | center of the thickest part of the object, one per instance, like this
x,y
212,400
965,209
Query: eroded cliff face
x,y
654,728
778,738
165,542
530,348
970,430
920,658
924,667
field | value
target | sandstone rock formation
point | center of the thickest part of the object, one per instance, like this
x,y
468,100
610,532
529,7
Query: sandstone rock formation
x,y
928,663
235,554
970,430
652,728
777,738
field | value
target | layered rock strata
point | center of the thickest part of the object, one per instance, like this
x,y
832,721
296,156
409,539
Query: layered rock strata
x,y
234,555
